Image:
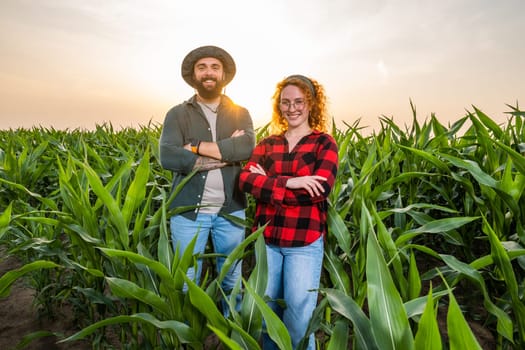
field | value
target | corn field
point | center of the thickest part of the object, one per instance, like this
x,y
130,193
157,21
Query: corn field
x,y
426,235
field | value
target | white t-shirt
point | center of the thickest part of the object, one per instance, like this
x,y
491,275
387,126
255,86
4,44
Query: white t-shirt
x,y
213,195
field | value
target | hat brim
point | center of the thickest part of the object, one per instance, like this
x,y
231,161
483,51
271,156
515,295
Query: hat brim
x,y
191,58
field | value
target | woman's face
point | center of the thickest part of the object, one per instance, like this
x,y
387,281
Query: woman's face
x,y
294,107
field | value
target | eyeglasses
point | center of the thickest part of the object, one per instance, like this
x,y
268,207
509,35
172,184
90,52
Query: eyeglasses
x,y
297,104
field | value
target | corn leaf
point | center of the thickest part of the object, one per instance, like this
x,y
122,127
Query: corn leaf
x,y
339,338
183,332
387,314
336,271
116,216
502,260
243,338
347,307
459,333
276,329
137,189
206,305
226,339
504,324
258,280
5,219
428,336
161,270
10,277
414,279
127,289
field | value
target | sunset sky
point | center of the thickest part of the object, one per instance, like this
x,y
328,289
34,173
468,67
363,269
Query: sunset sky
x,y
78,63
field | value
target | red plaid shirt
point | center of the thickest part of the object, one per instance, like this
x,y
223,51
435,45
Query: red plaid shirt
x,y
294,217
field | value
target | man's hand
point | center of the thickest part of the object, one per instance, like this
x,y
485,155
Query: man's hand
x,y
237,133
205,164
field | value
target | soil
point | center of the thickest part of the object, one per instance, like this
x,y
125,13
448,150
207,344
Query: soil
x,y
18,318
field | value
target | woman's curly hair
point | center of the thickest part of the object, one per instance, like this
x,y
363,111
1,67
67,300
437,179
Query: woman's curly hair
x,y
315,98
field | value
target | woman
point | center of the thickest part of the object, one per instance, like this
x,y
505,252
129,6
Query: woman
x,y
290,174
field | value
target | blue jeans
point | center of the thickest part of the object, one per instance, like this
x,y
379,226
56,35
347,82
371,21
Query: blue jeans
x,y
292,274
225,236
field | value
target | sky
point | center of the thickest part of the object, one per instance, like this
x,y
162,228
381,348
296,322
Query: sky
x,y
70,64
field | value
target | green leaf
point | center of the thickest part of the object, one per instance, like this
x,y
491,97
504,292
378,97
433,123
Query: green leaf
x,y
416,307
430,157
7,280
347,307
115,214
504,325
237,254
127,289
337,228
276,329
517,158
336,271
28,338
428,336
137,189
387,314
258,280
46,201
183,332
502,260
440,226
5,219
207,306
226,339
161,270
414,279
459,333
243,338
474,169
339,338
164,245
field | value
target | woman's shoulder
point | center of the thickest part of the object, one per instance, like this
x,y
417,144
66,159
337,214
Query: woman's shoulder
x,y
271,139
322,135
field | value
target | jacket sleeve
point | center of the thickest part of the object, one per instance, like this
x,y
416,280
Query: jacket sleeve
x,y
173,156
236,149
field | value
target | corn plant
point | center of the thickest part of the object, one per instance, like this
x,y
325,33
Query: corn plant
x,y
425,225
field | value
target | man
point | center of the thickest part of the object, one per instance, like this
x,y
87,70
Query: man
x,y
209,133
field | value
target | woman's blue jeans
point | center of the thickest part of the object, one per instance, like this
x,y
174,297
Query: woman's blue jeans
x,y
225,236
294,275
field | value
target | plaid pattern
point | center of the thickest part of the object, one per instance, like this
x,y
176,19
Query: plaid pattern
x,y
294,218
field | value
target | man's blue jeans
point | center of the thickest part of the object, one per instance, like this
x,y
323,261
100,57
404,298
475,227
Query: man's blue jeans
x,y
292,275
225,236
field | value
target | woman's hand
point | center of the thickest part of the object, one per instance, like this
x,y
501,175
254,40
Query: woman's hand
x,y
257,169
312,184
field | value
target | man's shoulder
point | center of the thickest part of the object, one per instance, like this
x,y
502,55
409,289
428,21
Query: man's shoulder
x,y
180,108
227,101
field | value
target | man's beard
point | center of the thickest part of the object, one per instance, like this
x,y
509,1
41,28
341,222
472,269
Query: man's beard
x,y
209,93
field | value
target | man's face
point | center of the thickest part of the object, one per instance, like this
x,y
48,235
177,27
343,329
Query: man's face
x,y
208,75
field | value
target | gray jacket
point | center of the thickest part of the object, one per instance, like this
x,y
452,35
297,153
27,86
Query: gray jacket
x,y
186,121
